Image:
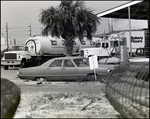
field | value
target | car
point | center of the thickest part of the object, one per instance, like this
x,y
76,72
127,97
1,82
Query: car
x,y
110,60
139,52
64,68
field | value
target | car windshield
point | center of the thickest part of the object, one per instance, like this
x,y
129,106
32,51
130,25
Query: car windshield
x,y
81,62
17,48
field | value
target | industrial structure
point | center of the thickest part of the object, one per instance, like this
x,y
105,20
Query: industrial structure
x,y
138,10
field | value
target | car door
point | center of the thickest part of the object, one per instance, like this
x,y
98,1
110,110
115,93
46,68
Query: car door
x,y
53,70
69,70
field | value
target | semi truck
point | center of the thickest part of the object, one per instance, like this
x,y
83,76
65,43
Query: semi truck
x,y
39,49
106,48
103,48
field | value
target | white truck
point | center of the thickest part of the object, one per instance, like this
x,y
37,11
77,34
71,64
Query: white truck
x,y
15,56
103,49
37,50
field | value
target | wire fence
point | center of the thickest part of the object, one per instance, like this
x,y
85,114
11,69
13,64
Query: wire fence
x,y
127,89
10,98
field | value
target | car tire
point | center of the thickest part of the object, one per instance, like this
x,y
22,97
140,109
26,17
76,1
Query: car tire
x,y
90,77
5,67
79,80
45,80
23,64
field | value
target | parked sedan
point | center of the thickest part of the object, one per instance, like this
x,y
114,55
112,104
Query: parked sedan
x,y
64,68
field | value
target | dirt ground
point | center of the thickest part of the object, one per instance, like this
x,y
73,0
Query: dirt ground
x,y
69,104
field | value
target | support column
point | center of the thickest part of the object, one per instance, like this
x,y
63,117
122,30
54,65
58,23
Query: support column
x,y
130,32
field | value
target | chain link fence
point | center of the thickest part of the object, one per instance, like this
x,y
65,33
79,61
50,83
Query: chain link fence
x,y
127,89
10,98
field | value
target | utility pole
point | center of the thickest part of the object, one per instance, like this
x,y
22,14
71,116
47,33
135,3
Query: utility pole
x,y
7,36
111,24
30,30
14,41
104,37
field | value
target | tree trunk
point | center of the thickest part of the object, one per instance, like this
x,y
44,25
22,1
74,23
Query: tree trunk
x,y
69,46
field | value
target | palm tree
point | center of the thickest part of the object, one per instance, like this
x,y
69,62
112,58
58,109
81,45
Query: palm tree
x,y
69,20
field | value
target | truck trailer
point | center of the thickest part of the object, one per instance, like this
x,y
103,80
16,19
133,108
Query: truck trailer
x,y
39,49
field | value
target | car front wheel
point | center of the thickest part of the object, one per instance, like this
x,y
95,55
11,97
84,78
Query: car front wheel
x,y
40,80
23,64
90,77
5,67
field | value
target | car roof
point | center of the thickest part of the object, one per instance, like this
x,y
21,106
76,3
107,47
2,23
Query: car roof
x,y
68,57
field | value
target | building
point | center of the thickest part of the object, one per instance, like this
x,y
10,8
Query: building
x,y
3,43
120,27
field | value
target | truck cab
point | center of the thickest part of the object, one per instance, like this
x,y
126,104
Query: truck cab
x,y
102,49
15,56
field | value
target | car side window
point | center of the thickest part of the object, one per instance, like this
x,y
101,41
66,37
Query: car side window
x,y
68,63
80,62
56,63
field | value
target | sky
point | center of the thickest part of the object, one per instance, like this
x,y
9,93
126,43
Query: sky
x,y
19,15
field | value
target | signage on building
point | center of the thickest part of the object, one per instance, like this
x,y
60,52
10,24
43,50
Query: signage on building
x,y
136,39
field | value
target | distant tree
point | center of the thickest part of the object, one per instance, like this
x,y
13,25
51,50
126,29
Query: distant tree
x,y
69,20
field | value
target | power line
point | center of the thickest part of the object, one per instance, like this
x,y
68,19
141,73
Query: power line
x,y
19,27
13,32
19,35
20,31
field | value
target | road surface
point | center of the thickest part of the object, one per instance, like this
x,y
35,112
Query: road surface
x,y
28,85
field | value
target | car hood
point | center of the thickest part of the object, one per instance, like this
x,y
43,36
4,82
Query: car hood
x,y
30,70
109,66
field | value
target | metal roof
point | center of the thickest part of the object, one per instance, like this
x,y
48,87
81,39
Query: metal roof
x,y
138,11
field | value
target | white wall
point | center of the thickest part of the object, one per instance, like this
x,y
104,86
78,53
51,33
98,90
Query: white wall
x,y
137,39
123,24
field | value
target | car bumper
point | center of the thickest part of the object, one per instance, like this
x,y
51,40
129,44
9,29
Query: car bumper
x,y
10,62
22,77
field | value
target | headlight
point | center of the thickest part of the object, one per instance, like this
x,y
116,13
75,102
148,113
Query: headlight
x,y
19,57
108,70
